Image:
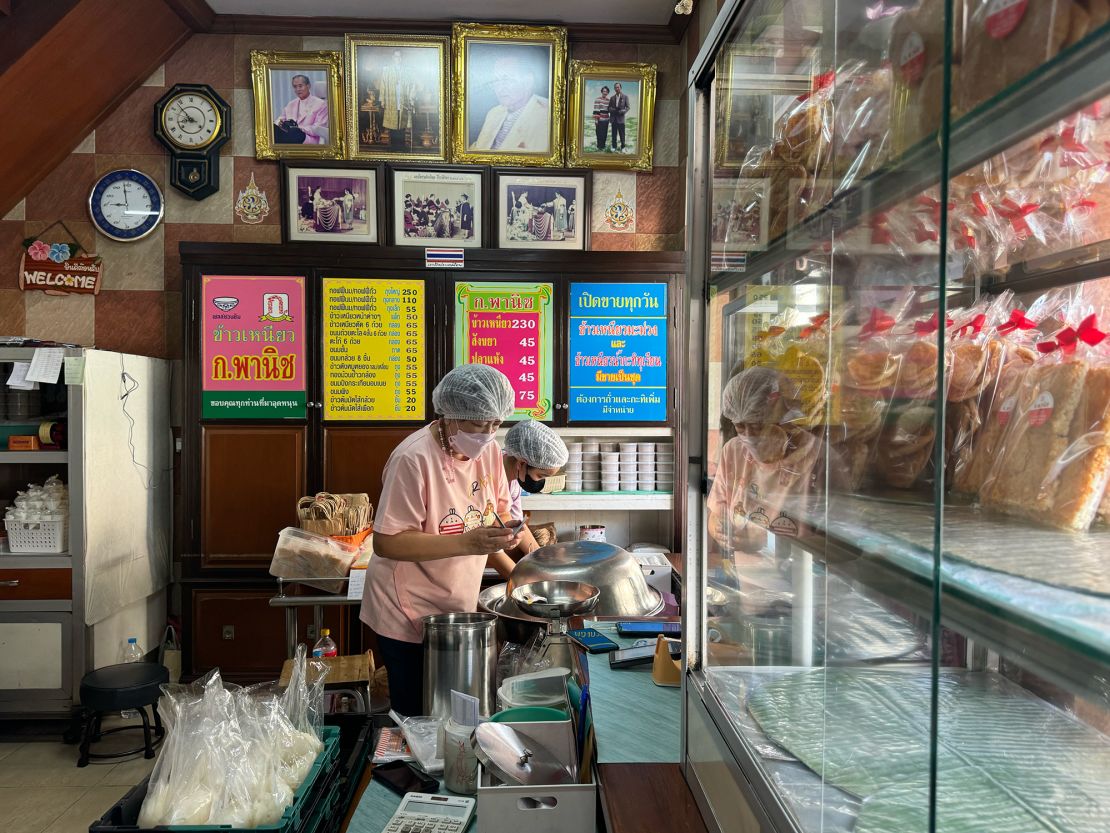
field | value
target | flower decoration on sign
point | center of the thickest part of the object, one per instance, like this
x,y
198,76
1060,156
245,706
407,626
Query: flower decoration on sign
x,y
252,204
59,252
39,250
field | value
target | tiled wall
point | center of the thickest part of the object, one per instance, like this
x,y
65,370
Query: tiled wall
x,y
139,307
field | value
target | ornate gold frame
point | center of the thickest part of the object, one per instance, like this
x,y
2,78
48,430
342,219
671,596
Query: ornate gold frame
x,y
645,75
351,45
463,34
261,64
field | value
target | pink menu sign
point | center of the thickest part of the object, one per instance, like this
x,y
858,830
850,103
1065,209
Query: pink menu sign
x,y
252,347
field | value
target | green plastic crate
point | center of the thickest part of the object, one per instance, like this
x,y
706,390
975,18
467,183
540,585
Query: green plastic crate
x,y
321,780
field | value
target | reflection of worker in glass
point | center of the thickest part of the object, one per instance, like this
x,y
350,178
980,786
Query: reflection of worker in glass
x,y
398,95
304,120
770,460
521,120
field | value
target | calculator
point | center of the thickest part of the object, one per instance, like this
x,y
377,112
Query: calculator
x,y
428,813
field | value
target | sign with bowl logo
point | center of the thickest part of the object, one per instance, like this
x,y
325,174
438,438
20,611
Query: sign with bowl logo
x,y
253,347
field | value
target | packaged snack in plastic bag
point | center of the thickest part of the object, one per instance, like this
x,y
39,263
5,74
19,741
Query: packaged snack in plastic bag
x,y
422,736
1054,462
917,57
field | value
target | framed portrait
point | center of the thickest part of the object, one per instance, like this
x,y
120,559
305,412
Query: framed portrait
x,y
739,218
612,115
535,211
298,105
332,203
438,206
508,94
397,97
748,101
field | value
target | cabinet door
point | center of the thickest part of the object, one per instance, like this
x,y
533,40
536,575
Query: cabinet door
x,y
252,477
238,632
354,458
36,652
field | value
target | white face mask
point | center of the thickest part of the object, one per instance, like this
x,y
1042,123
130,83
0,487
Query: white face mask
x,y
470,445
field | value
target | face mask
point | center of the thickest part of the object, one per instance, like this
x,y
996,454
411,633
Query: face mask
x,y
470,445
532,487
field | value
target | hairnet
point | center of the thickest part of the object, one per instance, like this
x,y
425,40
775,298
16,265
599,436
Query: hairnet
x,y
473,391
758,394
536,444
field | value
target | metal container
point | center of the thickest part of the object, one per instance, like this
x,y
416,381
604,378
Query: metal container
x,y
624,590
460,653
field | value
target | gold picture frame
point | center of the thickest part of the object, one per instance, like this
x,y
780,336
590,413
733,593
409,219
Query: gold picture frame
x,y
484,131
375,133
321,138
592,139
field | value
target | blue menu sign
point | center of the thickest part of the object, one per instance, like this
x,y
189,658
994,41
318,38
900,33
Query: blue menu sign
x,y
618,352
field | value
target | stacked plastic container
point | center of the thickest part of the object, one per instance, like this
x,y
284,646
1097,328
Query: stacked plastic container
x,y
664,467
620,467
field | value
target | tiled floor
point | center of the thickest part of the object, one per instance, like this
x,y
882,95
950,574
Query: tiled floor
x,y
43,791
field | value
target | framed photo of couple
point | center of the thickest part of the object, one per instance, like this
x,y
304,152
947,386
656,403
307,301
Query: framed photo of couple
x,y
331,203
298,105
508,90
612,115
397,97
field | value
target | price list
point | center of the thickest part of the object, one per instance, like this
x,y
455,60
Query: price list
x,y
374,354
508,326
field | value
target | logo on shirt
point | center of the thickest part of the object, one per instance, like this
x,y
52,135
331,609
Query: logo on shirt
x,y
472,519
451,524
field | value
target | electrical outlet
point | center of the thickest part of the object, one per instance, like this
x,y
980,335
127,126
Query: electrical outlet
x,y
229,632
311,632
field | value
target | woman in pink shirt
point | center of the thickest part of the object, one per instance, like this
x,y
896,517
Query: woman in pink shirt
x,y
432,533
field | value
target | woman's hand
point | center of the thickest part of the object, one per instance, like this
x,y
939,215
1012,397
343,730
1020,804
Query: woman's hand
x,y
485,540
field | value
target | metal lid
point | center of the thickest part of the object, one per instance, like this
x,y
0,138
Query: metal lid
x,y
516,758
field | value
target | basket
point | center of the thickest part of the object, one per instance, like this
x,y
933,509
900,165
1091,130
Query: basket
x,y
37,536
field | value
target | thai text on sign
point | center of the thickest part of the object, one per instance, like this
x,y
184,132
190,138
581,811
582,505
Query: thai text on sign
x,y
252,347
374,354
508,326
618,352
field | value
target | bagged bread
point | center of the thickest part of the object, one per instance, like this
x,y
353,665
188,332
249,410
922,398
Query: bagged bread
x,y
917,57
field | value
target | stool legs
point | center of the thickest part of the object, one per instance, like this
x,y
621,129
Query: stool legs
x,y
87,721
148,747
159,731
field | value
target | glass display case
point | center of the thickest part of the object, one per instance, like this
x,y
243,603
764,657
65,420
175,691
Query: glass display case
x,y
898,611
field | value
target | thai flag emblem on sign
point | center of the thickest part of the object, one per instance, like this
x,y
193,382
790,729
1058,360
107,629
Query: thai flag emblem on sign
x,y
737,261
443,258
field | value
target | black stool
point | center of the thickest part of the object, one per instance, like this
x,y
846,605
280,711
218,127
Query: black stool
x,y
116,688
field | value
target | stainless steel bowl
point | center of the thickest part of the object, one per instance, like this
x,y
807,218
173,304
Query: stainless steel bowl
x,y
624,590
556,599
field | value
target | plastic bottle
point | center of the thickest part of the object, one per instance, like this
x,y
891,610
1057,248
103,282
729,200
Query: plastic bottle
x,y
132,652
325,646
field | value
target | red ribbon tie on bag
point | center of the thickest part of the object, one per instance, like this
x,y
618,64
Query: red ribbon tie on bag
x,y
924,328
1068,338
1016,214
879,322
1018,321
973,327
815,324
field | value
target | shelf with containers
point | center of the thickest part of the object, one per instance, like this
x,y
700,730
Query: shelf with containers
x,y
905,410
69,606
362,389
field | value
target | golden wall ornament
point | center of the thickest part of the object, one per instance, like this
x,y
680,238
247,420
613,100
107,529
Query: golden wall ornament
x,y
398,97
612,128
289,124
508,94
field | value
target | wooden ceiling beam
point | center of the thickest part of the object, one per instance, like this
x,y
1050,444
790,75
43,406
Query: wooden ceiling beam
x,y
84,67
259,24
196,13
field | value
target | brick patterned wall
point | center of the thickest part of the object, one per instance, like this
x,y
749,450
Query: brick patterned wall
x,y
139,307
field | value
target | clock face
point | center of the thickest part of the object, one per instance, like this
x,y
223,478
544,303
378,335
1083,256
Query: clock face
x,y
191,120
126,205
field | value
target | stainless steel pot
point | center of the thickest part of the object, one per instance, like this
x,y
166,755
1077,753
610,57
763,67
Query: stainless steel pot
x,y
624,590
460,653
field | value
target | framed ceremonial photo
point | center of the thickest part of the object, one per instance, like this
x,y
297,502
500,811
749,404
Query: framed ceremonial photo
x,y
739,218
330,203
438,206
397,97
298,105
508,88
538,211
612,115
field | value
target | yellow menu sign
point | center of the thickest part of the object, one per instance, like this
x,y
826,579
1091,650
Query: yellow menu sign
x,y
373,349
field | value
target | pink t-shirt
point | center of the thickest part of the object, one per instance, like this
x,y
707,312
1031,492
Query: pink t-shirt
x,y
424,490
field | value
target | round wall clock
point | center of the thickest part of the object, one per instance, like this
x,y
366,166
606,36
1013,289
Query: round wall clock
x,y
191,119
126,205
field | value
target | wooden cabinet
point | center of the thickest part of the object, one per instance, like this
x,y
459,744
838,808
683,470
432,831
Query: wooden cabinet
x,y
33,584
252,477
355,456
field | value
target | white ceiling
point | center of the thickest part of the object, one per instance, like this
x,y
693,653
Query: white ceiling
x,y
638,12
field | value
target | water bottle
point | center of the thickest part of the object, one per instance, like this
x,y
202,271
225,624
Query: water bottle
x,y
132,652
325,646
